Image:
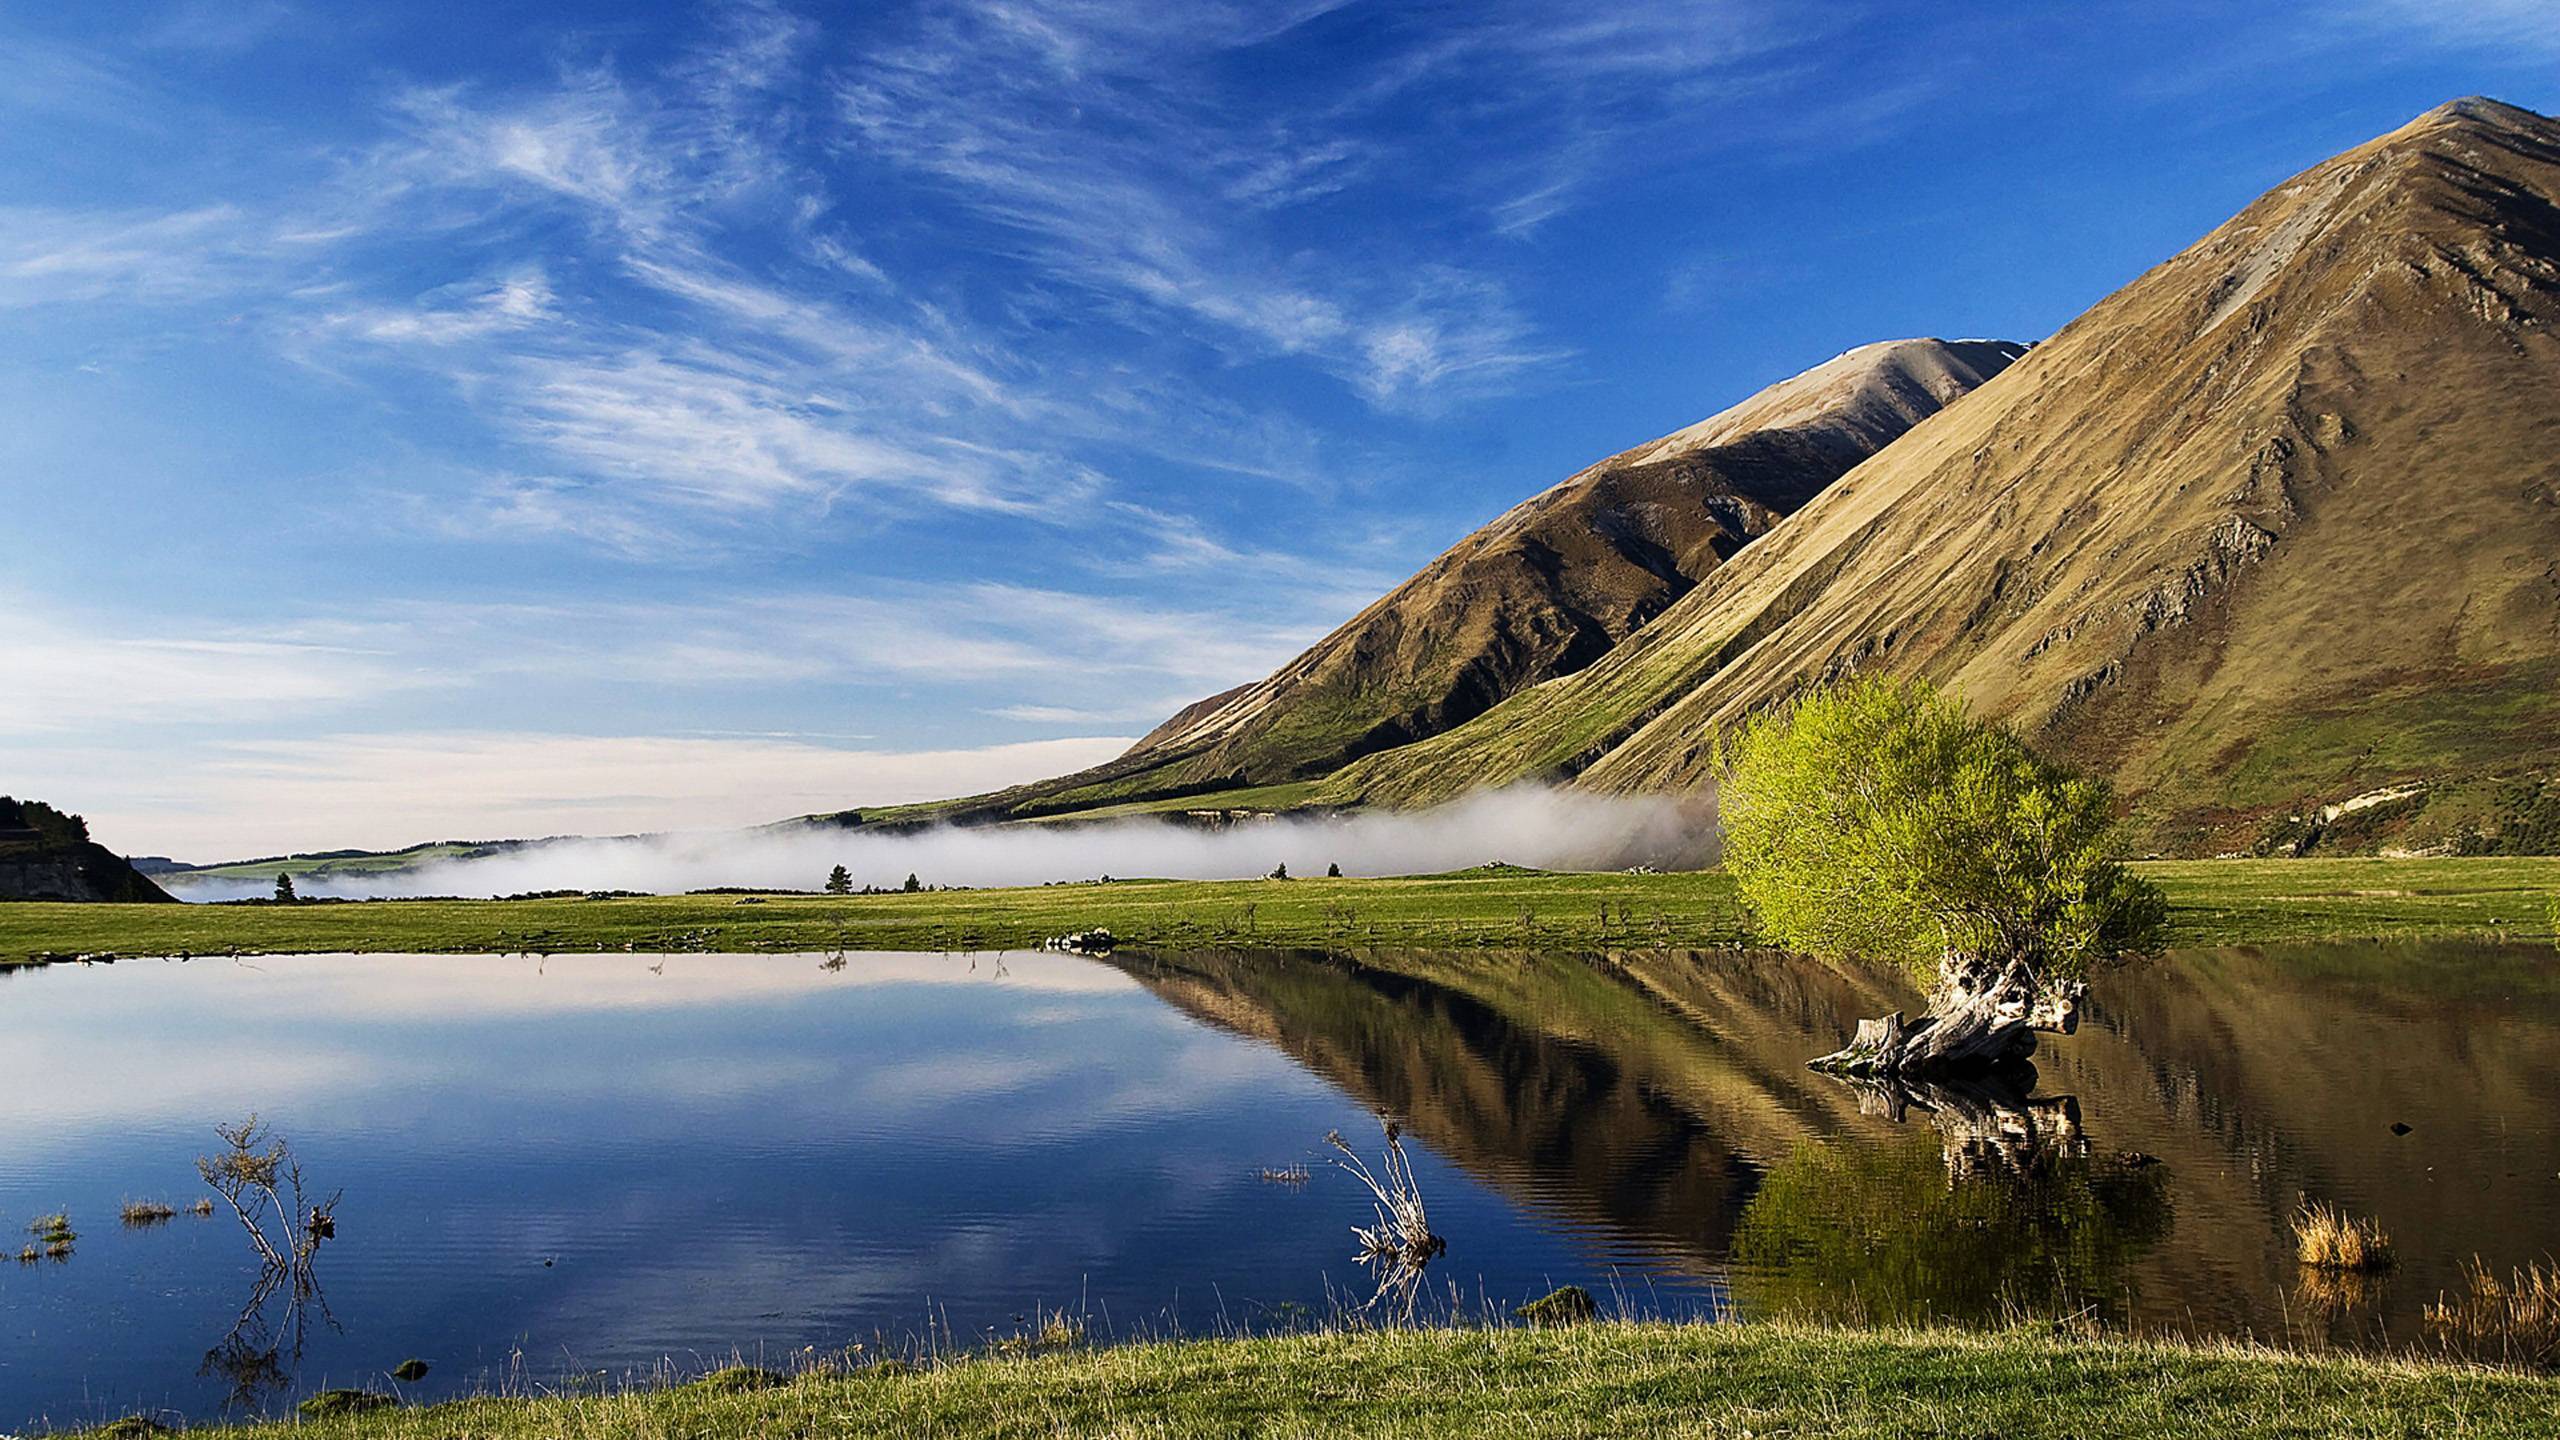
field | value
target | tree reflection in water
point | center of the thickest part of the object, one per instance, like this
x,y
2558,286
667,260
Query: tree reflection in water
x,y
2011,1217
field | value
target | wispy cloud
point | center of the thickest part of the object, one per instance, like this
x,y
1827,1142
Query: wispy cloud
x,y
2492,25
69,680
1077,127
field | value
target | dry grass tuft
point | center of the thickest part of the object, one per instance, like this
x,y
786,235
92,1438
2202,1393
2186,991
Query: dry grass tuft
x,y
2513,1317
2328,1238
142,1213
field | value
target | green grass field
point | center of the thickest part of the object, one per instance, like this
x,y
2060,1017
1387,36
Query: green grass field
x,y
1601,1379
2213,902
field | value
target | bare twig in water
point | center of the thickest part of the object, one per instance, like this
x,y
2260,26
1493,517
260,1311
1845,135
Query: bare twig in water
x,y
1400,1247
256,1175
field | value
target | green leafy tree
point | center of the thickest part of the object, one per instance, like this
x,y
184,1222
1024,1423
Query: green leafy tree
x,y
839,881
1874,819
284,888
913,884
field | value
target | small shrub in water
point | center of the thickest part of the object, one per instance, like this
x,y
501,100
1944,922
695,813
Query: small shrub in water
x,y
342,1402
2327,1238
1401,1246
1564,1305
144,1213
739,1379
1050,1330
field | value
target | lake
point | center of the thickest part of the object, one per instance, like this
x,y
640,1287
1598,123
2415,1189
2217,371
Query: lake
x,y
601,1167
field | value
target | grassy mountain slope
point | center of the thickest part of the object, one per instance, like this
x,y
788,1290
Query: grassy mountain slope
x,y
2273,527
1545,589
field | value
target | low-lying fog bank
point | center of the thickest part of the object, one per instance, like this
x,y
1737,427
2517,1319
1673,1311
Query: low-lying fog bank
x,y
1547,829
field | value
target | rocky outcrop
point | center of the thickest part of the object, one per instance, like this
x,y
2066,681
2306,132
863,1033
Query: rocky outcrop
x,y
46,854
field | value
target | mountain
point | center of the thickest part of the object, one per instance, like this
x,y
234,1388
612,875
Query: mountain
x,y
2270,537
1544,590
46,854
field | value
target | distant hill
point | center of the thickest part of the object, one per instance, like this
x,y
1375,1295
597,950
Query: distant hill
x,y
46,854
2271,537
324,865
1542,591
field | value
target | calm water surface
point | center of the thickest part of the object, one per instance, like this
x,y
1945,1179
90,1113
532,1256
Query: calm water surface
x,y
590,1166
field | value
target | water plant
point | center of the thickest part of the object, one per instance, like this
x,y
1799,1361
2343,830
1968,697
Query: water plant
x,y
2327,1238
2515,1316
1400,1247
1044,1330
329,1403
142,1214
1564,1305
54,1236
739,1379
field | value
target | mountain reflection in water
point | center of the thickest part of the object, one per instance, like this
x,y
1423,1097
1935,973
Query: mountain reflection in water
x,y
1658,1103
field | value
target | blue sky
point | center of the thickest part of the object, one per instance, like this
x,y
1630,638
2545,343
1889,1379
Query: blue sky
x,y
427,420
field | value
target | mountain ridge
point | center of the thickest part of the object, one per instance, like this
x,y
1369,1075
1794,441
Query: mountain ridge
x,y
2224,508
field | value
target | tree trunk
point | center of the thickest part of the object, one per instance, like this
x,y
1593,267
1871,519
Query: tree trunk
x,y
1983,1016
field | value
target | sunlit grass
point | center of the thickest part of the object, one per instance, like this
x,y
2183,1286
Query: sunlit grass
x,y
2214,902
1604,1378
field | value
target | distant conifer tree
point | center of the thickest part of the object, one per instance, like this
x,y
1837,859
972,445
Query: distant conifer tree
x,y
284,889
839,881
1280,872
913,884
1333,872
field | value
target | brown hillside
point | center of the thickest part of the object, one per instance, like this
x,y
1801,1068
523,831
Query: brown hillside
x,y
1543,590
1555,582
2272,528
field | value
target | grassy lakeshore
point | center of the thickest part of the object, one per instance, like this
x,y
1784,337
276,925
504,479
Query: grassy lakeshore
x,y
1602,1379
2212,902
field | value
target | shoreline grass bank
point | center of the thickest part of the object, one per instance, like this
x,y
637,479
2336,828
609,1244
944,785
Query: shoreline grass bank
x,y
1609,1378
2211,902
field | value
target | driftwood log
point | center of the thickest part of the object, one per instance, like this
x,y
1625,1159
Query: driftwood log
x,y
1983,1016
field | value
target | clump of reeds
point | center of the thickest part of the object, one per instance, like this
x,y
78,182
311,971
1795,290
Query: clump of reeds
x,y
31,1255
2515,1316
141,1214
1290,1175
202,1209
2327,1238
1401,1246
54,1234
